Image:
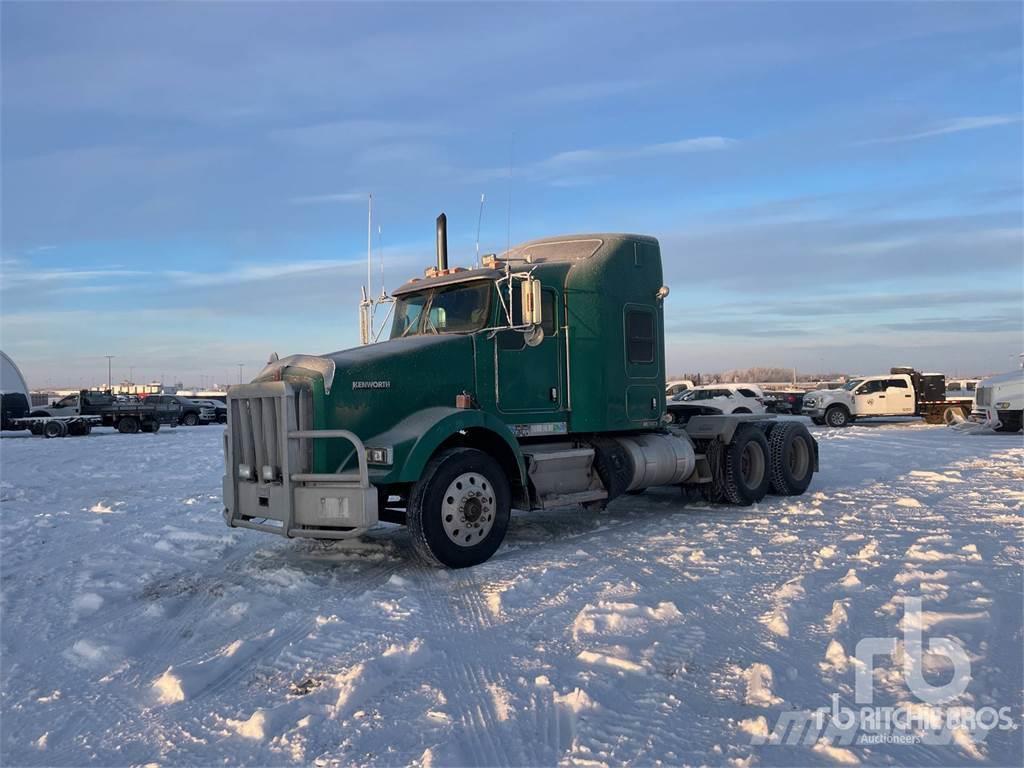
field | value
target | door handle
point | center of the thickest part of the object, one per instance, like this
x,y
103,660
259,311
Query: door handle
x,y
880,397
553,393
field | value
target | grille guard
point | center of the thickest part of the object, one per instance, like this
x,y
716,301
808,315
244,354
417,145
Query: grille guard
x,y
268,438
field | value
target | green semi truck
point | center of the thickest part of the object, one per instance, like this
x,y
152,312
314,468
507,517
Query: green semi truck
x,y
534,381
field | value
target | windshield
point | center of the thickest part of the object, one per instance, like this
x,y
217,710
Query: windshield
x,y
448,309
852,385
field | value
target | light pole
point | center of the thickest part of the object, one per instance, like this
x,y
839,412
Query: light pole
x,y
240,367
131,374
110,387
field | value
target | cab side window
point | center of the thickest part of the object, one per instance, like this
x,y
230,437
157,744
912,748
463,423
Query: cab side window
x,y
871,387
896,383
549,307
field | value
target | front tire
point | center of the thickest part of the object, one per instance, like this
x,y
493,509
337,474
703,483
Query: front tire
x,y
837,416
459,509
1010,421
190,419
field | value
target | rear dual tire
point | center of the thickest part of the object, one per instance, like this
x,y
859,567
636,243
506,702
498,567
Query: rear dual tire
x,y
791,454
128,425
740,469
766,457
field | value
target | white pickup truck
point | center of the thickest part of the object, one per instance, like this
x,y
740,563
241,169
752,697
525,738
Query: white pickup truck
x,y
901,392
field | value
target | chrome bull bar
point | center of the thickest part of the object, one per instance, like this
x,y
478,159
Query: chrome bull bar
x,y
268,485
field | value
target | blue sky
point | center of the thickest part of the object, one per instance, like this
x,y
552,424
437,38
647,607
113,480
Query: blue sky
x,y
834,185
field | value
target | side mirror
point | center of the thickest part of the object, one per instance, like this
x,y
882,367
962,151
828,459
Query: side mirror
x,y
532,311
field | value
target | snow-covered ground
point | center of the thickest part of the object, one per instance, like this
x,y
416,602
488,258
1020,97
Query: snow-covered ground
x,y
137,628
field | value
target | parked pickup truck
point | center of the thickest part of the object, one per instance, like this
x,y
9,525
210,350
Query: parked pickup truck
x,y
901,392
190,412
784,401
127,417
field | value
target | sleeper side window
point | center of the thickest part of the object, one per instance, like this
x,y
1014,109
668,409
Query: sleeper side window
x,y
640,336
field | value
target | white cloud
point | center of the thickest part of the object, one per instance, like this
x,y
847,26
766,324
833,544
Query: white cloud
x,y
574,167
346,134
60,274
954,125
588,157
262,272
333,197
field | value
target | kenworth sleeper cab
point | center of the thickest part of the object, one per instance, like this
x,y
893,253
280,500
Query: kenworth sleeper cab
x,y
534,381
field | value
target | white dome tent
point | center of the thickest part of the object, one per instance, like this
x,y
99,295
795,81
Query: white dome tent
x,y
11,380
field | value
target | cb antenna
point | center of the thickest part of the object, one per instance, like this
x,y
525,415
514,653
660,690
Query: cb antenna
x,y
508,224
380,253
369,245
366,302
479,219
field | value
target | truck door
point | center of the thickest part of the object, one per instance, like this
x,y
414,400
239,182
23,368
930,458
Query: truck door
x,y
529,378
899,397
870,398
67,406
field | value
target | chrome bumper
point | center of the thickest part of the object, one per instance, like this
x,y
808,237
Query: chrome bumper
x,y
268,485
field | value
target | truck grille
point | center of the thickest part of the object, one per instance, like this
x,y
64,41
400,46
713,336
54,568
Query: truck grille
x,y
982,396
259,418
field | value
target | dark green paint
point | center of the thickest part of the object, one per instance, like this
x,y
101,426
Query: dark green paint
x,y
597,390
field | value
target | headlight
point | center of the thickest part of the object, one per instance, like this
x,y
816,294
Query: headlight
x,y
809,401
245,472
1003,406
379,456
269,474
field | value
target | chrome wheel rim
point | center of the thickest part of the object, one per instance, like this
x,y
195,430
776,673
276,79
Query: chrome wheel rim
x,y
467,509
835,418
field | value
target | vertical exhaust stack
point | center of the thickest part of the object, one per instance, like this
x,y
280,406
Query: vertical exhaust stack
x,y
442,242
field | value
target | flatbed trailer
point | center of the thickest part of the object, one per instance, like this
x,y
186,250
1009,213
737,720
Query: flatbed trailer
x,y
127,418
55,426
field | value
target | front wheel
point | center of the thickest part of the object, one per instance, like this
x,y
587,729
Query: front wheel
x,y
837,416
459,509
1010,421
190,419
